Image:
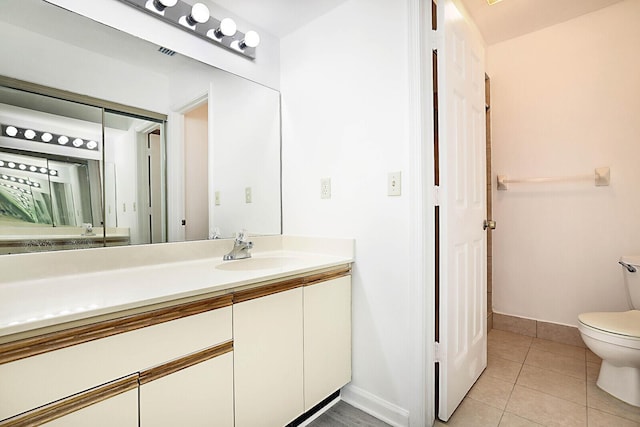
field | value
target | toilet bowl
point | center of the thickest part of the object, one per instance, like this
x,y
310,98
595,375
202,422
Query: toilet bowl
x,y
615,338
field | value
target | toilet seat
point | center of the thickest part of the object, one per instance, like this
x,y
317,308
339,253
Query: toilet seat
x,y
626,323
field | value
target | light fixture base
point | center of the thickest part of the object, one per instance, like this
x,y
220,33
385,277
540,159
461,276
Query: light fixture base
x,y
172,15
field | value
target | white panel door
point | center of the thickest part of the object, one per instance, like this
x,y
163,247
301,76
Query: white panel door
x,y
463,342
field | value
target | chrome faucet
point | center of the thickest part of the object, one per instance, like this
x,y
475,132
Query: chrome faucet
x,y
240,248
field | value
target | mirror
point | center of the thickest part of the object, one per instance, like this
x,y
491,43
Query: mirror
x,y
238,185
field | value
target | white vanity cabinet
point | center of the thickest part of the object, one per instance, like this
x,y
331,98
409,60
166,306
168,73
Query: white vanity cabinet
x,y
201,395
91,361
327,338
267,334
292,347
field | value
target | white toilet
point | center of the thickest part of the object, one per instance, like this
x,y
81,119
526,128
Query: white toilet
x,y
615,338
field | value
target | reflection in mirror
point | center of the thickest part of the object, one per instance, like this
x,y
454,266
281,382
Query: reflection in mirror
x,y
52,164
242,142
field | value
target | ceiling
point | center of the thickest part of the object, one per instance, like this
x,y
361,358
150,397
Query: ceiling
x,y
279,17
512,18
502,21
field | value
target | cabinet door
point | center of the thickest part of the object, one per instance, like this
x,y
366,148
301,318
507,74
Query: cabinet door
x,y
327,339
120,410
201,395
267,335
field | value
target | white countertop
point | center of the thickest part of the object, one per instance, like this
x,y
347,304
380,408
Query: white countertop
x,y
33,303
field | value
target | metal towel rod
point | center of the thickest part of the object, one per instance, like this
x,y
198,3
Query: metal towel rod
x,y
601,177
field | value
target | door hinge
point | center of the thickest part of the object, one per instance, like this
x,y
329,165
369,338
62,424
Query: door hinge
x,y
436,195
435,39
436,352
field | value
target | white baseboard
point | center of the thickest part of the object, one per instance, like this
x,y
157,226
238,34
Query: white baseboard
x,y
375,406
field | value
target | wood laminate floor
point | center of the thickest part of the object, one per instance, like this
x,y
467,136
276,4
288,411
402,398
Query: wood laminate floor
x,y
344,415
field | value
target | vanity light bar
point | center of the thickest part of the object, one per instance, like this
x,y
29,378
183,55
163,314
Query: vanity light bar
x,y
14,187
48,137
20,180
27,168
198,21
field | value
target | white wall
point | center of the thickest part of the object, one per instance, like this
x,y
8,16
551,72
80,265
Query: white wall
x,y
345,97
565,100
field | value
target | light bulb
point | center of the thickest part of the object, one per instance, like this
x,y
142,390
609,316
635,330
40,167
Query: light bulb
x,y
78,142
21,181
92,145
1,163
22,167
33,168
53,173
227,28
46,137
199,14
12,178
43,170
11,130
251,39
63,140
11,165
161,5
29,134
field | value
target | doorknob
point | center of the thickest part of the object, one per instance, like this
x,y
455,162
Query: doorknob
x,y
488,223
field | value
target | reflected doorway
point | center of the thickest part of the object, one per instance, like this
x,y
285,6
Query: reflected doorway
x,y
196,165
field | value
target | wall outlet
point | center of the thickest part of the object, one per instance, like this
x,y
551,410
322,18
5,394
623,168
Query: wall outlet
x,y
394,184
325,188
217,197
247,195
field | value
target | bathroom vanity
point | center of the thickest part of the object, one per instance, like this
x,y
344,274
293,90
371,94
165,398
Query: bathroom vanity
x,y
172,335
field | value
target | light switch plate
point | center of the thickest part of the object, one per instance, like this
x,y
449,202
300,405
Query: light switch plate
x,y
394,184
247,195
325,188
217,197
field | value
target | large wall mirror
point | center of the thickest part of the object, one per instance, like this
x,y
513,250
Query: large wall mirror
x,y
90,169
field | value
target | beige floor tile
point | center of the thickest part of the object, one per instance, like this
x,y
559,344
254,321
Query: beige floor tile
x,y
599,399
553,383
601,419
512,420
505,350
553,362
514,324
473,413
546,409
592,357
558,348
492,391
496,335
503,369
593,370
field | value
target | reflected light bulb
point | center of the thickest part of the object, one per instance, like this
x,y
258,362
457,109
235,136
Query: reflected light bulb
x,y
92,145
29,134
11,130
63,140
33,168
43,170
53,173
11,165
22,167
78,142
46,137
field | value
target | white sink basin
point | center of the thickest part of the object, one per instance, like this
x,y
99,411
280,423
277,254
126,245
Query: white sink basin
x,y
266,263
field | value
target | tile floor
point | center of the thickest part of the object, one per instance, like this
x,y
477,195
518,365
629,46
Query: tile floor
x,y
533,382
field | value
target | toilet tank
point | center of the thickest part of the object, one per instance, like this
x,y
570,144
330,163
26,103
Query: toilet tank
x,y
632,280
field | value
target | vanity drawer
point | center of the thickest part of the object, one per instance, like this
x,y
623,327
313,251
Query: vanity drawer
x,y
33,381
